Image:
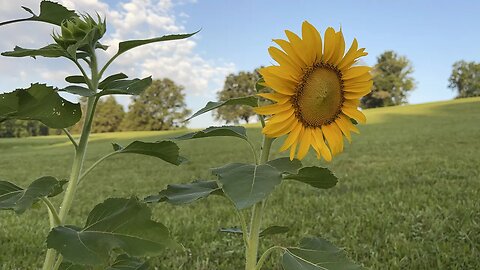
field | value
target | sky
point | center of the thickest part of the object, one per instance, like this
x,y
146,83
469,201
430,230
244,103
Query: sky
x,y
235,36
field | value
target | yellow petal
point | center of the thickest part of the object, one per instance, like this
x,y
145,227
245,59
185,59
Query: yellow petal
x,y
298,46
356,54
280,117
344,128
280,98
364,78
279,129
358,87
354,113
284,61
288,48
273,109
355,95
305,142
292,137
313,40
349,123
329,44
355,72
320,141
334,137
349,56
339,48
293,150
282,86
354,103
277,71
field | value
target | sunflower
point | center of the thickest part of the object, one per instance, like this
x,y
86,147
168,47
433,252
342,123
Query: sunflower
x,y
317,91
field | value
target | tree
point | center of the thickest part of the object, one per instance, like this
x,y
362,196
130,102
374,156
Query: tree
x,y
22,128
392,81
237,85
108,116
465,79
160,107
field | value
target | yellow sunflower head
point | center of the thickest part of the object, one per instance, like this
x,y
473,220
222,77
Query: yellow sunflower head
x,y
317,91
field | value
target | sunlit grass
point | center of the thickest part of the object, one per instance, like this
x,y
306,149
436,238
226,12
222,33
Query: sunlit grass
x,y
407,197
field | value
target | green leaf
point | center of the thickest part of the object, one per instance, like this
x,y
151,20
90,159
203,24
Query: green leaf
x,y
251,101
51,51
76,79
274,230
316,254
247,184
42,103
78,90
130,44
13,197
186,193
125,262
165,150
115,77
285,165
50,12
228,131
71,266
127,87
116,224
315,176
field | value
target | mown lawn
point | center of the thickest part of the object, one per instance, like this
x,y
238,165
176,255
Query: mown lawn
x,y
408,196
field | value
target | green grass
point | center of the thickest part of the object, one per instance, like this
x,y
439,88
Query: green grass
x,y
408,196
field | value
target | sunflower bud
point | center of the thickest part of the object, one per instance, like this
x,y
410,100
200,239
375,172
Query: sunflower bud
x,y
83,31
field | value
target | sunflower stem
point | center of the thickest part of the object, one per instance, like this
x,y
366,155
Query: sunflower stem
x,y
251,249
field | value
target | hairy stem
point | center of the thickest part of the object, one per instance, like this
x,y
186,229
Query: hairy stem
x,y
79,158
251,250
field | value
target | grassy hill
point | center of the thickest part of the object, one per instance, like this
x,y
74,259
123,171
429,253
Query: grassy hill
x,y
408,196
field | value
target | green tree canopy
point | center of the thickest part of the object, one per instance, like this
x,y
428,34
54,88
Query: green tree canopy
x,y
392,81
161,107
22,128
465,79
108,117
237,85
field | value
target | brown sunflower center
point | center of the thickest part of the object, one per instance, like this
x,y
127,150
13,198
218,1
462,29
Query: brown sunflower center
x,y
319,95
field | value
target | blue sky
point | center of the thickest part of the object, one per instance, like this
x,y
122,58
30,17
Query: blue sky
x,y
236,34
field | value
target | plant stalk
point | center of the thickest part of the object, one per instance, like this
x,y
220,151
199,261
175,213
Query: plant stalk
x,y
78,160
251,249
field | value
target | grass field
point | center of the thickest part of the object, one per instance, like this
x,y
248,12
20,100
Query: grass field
x,y
408,196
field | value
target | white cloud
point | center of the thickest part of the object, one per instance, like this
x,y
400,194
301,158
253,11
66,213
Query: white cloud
x,y
129,19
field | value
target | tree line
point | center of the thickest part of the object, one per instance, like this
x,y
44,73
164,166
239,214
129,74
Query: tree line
x,y
162,106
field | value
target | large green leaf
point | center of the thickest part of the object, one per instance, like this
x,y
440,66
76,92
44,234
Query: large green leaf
x,y
76,79
39,102
130,44
115,77
316,254
186,193
251,101
13,197
285,165
228,131
247,184
126,87
315,176
165,150
50,12
52,51
274,230
78,90
116,224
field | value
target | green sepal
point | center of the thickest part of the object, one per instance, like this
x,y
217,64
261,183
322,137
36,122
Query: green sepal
x,y
42,103
13,197
247,184
226,131
177,194
165,150
116,224
315,176
316,254
251,101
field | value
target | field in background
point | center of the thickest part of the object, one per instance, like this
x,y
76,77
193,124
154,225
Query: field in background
x,y
408,196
